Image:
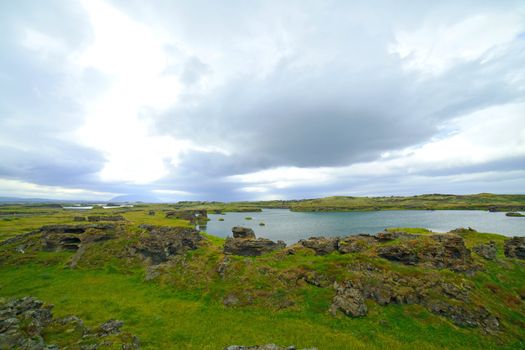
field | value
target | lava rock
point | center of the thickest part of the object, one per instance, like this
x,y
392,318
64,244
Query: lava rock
x,y
349,299
164,242
486,250
251,247
243,232
515,247
321,245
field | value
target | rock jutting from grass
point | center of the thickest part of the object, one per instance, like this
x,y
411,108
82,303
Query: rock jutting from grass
x,y
163,242
486,250
515,248
193,216
245,243
25,323
264,347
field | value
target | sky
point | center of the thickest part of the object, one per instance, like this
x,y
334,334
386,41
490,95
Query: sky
x,y
169,100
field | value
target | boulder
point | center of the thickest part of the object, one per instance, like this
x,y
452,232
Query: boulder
x,y
251,247
486,250
163,242
349,299
321,245
515,247
243,232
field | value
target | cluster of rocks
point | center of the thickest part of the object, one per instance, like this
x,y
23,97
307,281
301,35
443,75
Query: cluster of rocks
x,y
515,247
437,250
193,216
431,291
97,218
245,243
71,237
264,347
24,321
163,242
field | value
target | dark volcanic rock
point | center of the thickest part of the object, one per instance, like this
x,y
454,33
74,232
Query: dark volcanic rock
x,y
403,254
164,242
321,245
349,299
354,244
486,250
462,316
193,216
151,212
251,247
439,250
105,218
515,247
70,237
263,347
24,321
243,232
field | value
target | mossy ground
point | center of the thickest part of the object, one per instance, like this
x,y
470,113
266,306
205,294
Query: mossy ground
x,y
183,309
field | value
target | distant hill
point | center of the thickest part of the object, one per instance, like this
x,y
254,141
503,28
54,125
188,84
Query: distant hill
x,y
133,198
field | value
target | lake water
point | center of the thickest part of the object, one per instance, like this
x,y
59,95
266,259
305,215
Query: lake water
x,y
292,226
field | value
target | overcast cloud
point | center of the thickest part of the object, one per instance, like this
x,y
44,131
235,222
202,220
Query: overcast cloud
x,y
229,100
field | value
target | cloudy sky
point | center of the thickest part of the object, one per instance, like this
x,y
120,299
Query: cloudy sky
x,y
228,100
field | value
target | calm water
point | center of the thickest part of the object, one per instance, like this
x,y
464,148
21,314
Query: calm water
x,y
293,226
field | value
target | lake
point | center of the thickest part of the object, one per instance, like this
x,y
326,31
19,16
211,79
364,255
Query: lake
x,y
291,226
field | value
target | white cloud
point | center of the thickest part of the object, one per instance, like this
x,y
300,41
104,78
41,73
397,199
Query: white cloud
x,y
10,187
436,47
117,122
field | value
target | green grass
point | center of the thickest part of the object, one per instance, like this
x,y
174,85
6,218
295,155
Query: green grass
x,y
164,318
182,308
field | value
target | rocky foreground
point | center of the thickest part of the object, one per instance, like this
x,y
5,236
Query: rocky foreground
x,y
24,321
357,273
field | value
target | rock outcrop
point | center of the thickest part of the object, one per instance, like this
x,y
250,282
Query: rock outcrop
x,y
264,347
193,216
243,232
349,299
70,237
515,248
437,295
439,251
245,243
24,321
163,242
486,250
96,218
321,245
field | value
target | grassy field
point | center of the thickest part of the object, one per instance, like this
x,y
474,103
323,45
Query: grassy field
x,y
182,308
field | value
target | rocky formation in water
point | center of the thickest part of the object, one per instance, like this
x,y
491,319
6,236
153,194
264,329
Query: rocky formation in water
x,y
264,347
163,242
245,243
26,322
515,248
515,214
